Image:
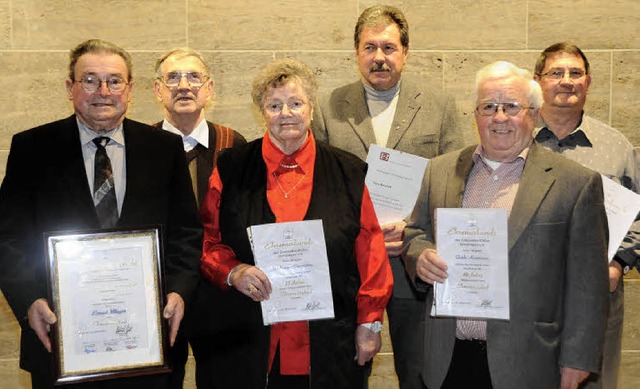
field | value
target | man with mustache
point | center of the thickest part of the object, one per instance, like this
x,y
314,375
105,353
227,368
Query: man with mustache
x,y
563,72
397,112
93,170
184,87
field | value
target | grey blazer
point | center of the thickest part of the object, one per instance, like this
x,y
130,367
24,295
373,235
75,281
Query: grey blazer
x,y
558,274
425,124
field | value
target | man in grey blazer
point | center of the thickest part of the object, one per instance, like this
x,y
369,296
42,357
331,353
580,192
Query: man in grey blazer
x,y
400,113
557,239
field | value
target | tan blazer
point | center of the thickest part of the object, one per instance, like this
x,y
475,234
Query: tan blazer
x,y
425,122
558,275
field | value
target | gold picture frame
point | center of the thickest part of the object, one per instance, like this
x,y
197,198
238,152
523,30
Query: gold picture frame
x,y
106,289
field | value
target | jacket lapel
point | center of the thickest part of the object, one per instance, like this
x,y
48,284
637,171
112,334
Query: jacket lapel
x,y
537,179
135,166
73,172
457,178
358,117
408,105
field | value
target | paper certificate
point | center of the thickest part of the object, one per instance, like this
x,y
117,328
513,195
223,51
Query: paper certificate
x,y
105,289
622,207
294,257
474,244
394,179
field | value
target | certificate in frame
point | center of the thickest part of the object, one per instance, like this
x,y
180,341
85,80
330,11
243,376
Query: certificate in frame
x,y
106,289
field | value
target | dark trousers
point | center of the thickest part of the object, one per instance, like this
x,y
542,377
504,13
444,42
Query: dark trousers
x,y
278,381
178,355
158,381
469,367
406,328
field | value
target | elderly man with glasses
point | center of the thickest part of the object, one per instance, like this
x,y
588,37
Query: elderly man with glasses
x,y
557,247
184,87
563,72
94,170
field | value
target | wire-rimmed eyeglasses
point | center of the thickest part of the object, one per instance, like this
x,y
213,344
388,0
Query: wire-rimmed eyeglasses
x,y
509,109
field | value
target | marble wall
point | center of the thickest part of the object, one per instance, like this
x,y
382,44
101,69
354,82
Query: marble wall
x,y
450,41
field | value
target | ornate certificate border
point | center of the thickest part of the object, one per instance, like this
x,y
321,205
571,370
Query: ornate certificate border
x,y
106,289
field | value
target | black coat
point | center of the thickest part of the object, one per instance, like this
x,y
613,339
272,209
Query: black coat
x,y
336,198
45,189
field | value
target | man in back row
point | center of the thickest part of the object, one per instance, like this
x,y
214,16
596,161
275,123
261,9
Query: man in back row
x,y
397,112
563,72
184,86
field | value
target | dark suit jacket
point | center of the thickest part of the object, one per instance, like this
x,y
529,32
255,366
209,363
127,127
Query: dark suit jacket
x,y
45,189
558,275
425,124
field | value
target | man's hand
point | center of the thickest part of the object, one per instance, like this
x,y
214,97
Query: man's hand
x,y
393,234
41,317
251,281
615,273
430,268
174,312
571,378
367,345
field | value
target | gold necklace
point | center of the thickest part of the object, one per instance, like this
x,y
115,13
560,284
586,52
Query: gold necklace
x,y
286,194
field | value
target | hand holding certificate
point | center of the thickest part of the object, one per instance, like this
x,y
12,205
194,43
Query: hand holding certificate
x,y
293,255
473,243
393,179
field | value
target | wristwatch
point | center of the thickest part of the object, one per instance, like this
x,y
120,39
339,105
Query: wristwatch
x,y
623,265
375,327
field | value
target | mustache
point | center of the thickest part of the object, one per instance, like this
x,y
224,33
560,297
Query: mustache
x,y
379,67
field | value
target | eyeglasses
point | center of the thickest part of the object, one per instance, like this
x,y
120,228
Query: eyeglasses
x,y
277,107
91,83
172,79
558,73
509,109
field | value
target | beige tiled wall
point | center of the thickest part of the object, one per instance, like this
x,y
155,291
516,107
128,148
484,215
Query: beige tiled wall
x,y
450,41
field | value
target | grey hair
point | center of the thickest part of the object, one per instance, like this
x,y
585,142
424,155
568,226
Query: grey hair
x,y
97,46
280,72
504,69
181,52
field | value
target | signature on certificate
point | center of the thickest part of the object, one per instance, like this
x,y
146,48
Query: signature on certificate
x,y
313,305
486,304
123,329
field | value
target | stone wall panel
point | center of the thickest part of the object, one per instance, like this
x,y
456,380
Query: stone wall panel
x,y
134,25
625,99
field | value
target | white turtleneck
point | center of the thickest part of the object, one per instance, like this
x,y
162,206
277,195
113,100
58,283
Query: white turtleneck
x,y
382,108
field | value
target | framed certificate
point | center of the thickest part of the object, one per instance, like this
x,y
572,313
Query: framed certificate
x,y
106,290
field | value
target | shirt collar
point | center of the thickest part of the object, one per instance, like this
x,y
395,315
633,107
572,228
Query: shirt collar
x,y
479,155
199,135
577,138
304,156
87,135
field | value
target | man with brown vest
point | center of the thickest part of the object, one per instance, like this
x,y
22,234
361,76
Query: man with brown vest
x,y
184,87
